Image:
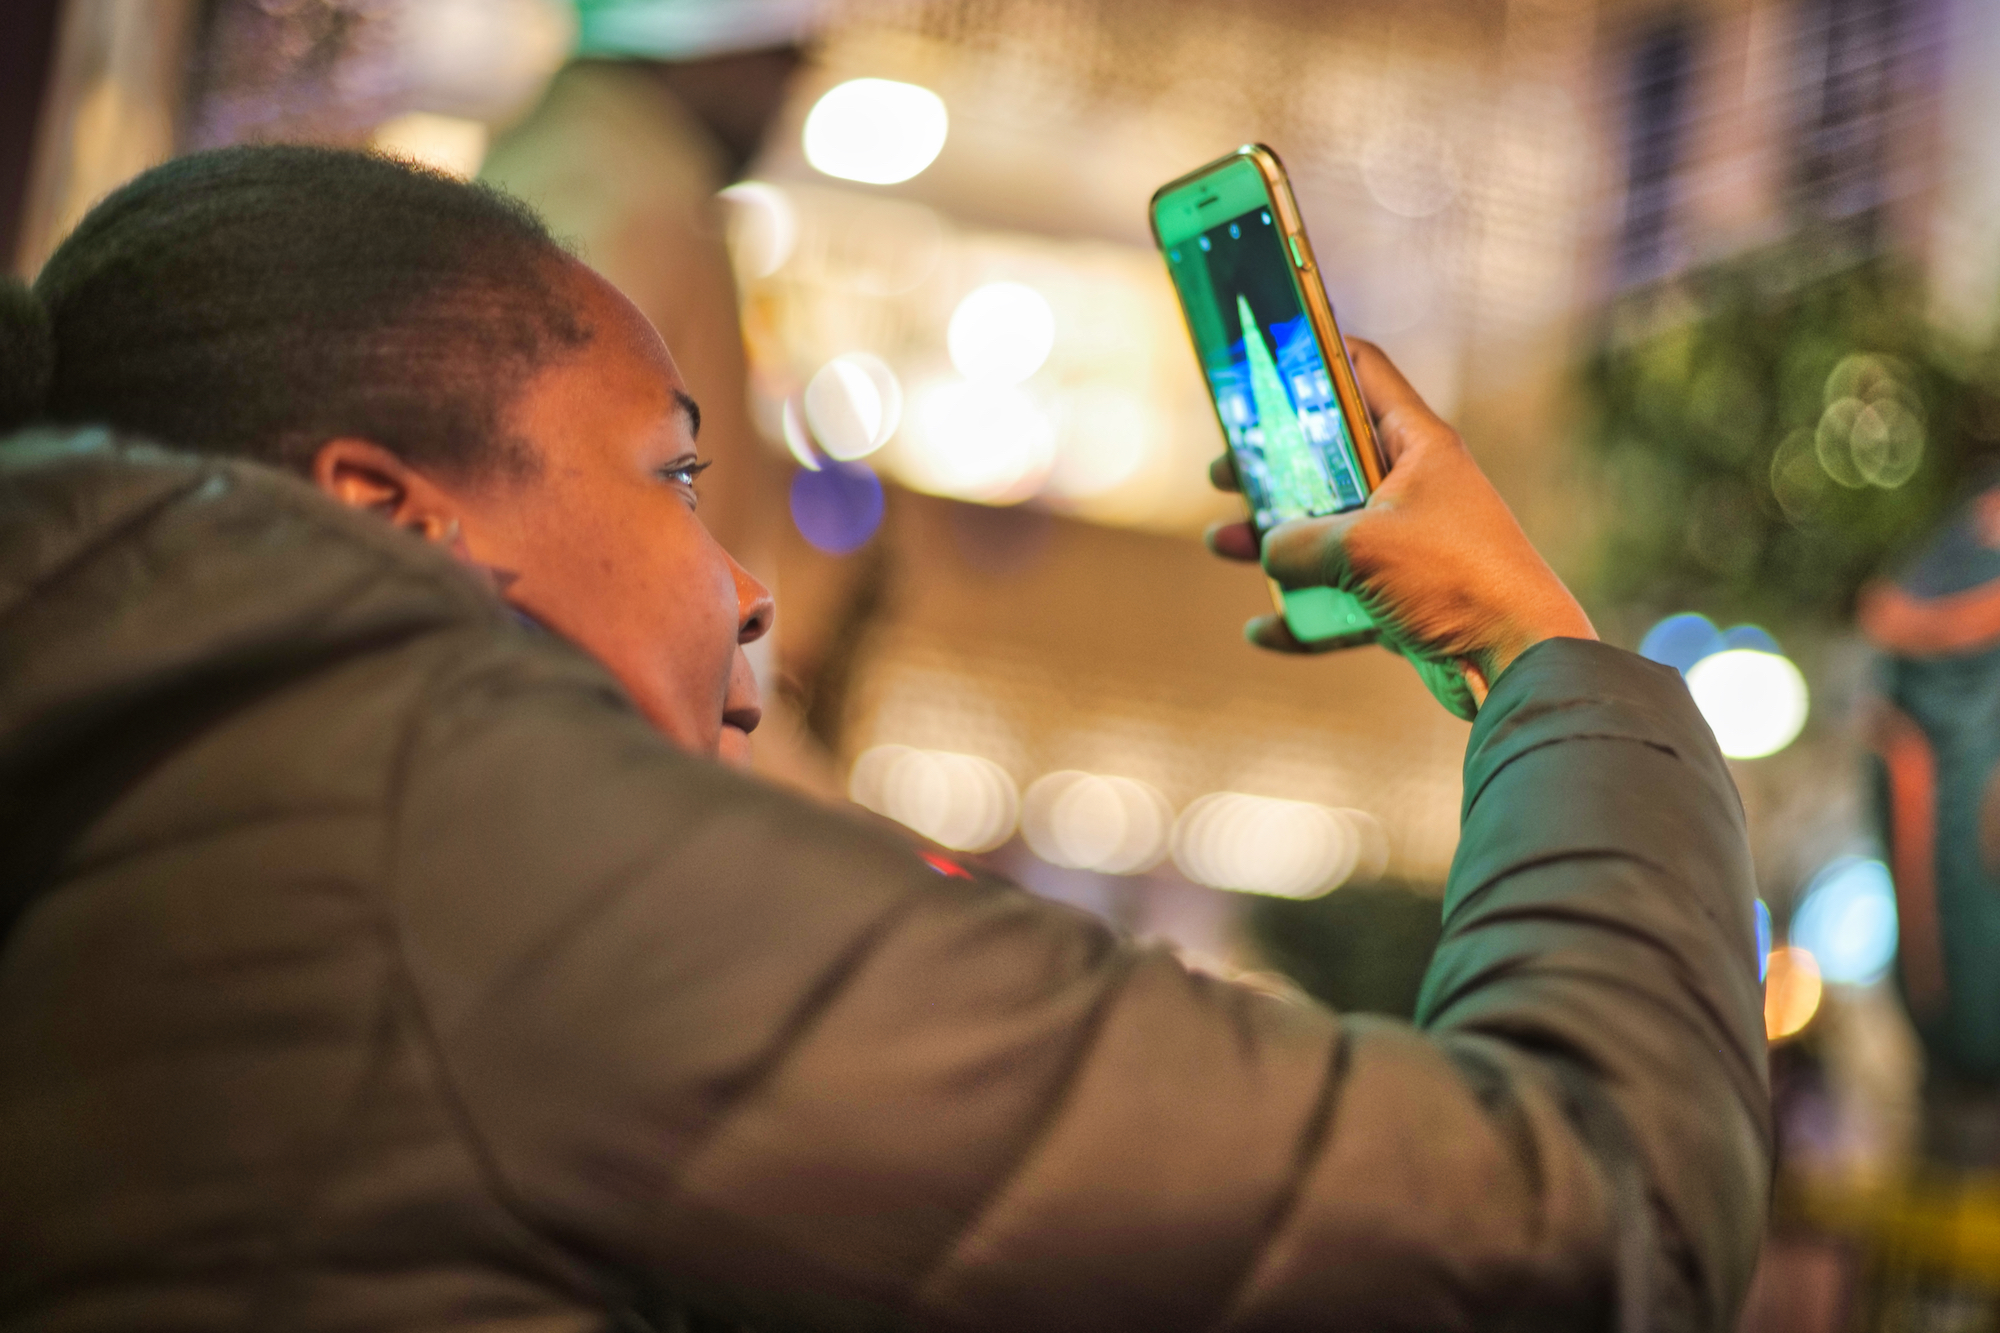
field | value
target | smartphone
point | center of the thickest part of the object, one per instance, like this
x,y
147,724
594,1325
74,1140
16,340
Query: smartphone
x,y
1278,373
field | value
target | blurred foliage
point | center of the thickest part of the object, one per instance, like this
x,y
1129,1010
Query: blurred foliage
x,y
1772,431
1359,949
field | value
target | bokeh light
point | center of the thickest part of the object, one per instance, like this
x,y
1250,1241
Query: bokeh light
x,y
1872,431
798,439
1089,822
961,801
1887,443
1258,844
1002,333
876,131
1106,436
1798,482
763,227
986,442
1791,992
1763,936
1754,637
1749,692
1755,702
853,405
1832,441
1847,920
1409,169
1681,641
837,507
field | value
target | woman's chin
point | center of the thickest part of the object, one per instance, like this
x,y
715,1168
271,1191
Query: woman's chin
x,y
733,748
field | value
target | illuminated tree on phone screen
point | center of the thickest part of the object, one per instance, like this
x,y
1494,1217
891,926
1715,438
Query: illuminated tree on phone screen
x,y
1299,485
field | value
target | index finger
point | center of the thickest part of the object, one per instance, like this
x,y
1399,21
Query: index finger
x,y
1391,400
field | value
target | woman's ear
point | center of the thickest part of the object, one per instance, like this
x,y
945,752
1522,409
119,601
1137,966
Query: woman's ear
x,y
364,475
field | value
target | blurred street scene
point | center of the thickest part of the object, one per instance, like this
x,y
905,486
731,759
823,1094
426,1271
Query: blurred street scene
x,y
1710,287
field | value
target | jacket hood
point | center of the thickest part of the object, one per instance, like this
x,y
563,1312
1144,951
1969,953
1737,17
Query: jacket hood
x,y
144,593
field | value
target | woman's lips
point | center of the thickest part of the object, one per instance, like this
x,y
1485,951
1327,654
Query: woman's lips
x,y
733,746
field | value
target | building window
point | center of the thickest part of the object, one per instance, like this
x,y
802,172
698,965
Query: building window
x,y
1657,97
1850,60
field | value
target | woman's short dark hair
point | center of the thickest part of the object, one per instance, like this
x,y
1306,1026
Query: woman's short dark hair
x,y
262,300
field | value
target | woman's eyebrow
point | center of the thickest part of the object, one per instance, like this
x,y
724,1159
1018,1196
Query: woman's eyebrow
x,y
692,408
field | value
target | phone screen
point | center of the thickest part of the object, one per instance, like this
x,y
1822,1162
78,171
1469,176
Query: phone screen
x,y
1295,454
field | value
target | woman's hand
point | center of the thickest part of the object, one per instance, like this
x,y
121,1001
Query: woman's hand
x,y
1435,556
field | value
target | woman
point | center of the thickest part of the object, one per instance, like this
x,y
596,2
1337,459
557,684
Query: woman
x,y
420,348
379,960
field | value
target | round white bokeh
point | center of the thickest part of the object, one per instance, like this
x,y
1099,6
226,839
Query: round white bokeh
x,y
876,131
853,404
986,442
1258,844
1085,821
961,801
1755,702
1001,333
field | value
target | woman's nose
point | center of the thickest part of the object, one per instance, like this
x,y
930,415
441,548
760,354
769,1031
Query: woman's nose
x,y
754,607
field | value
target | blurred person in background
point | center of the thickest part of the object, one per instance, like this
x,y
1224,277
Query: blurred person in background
x,y
384,947
1936,779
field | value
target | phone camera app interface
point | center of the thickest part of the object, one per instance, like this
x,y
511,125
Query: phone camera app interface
x,y
1294,453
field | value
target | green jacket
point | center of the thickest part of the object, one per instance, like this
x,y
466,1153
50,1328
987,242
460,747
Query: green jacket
x,y
373,965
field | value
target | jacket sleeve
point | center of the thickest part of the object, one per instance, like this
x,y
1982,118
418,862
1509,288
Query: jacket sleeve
x,y
715,1043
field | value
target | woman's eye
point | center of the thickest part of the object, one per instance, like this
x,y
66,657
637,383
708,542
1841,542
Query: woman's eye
x,y
683,473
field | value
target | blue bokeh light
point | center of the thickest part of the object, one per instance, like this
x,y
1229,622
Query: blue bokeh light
x,y
1847,920
837,508
1763,938
1682,640
1754,637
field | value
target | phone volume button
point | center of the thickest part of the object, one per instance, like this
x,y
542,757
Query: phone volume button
x,y
1301,252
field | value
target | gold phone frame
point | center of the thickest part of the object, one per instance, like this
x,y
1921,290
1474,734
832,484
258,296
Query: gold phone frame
x,y
1319,309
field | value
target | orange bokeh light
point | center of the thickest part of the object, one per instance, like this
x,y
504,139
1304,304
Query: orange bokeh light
x,y
1791,992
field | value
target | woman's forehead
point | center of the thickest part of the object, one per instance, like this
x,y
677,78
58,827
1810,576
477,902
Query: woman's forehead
x,y
624,377
615,319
